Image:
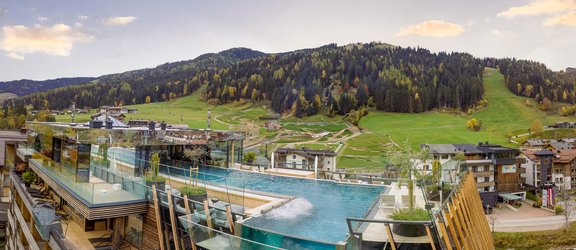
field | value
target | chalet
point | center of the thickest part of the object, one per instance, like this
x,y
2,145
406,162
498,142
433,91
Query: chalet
x,y
496,169
117,110
304,158
564,125
558,145
535,143
560,171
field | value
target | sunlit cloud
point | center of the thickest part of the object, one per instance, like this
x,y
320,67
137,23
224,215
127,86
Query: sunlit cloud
x,y
539,7
566,20
432,28
57,40
42,19
119,20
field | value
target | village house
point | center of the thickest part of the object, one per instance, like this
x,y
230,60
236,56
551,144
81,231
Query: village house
x,y
304,159
496,169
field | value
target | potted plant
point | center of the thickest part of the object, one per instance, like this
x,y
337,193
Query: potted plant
x,y
152,178
195,193
28,177
249,157
405,159
20,167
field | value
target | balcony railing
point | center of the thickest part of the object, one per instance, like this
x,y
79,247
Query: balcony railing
x,y
485,184
95,190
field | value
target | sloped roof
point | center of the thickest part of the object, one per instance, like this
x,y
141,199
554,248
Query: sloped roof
x,y
560,145
565,156
115,122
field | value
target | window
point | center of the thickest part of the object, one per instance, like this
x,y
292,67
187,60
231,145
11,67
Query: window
x,y
445,157
486,179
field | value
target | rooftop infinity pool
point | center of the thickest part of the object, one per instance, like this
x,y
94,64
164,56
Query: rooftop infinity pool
x,y
318,213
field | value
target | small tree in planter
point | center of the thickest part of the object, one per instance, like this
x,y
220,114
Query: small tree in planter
x,y
28,177
195,193
152,177
249,157
405,159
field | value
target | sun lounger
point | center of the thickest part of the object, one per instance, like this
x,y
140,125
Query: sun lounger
x,y
388,201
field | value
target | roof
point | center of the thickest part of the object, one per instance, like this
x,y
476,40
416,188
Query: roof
x,y
568,140
560,145
536,142
440,148
493,148
544,152
12,134
307,151
565,156
102,117
468,148
510,197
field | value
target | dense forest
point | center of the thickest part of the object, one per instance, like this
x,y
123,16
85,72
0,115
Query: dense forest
x,y
349,77
535,80
345,80
161,83
25,87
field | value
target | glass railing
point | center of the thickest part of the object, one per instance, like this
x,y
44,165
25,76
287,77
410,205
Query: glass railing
x,y
208,238
96,186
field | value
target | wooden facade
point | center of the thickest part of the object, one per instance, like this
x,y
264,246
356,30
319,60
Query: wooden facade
x,y
463,224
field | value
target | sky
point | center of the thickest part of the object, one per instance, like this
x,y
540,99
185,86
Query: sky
x,y
46,39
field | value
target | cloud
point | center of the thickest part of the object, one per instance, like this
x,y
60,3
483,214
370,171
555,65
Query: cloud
x,y
81,17
42,19
566,19
119,20
539,7
57,40
432,28
501,33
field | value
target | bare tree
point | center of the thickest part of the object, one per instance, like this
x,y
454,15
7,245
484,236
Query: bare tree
x,y
567,203
195,154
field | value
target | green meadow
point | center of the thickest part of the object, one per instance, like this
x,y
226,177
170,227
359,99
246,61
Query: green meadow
x,y
505,114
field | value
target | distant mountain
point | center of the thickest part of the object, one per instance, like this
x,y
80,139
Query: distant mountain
x,y
25,87
164,82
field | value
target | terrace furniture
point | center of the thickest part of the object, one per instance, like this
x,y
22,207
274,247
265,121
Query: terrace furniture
x,y
388,201
405,200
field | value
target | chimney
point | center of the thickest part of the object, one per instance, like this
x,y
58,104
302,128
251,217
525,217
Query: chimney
x,y
163,126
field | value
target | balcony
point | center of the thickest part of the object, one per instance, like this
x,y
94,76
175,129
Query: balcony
x,y
96,198
485,184
483,174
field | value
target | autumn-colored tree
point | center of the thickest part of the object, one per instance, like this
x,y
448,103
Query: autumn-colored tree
x,y
546,104
537,126
474,124
148,99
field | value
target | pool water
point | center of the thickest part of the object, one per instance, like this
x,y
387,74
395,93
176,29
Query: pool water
x,y
318,213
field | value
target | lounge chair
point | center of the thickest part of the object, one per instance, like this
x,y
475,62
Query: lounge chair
x,y
388,201
405,200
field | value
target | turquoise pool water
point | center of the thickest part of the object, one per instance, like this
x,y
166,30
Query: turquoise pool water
x,y
316,219
318,213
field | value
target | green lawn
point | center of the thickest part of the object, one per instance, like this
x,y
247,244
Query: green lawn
x,y
189,110
505,112
553,239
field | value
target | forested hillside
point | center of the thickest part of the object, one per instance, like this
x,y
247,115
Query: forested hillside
x,y
161,83
25,87
535,80
330,79
349,77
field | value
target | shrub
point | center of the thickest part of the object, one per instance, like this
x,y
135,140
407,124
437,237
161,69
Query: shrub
x,y
558,209
189,191
28,177
249,157
531,197
474,124
416,214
